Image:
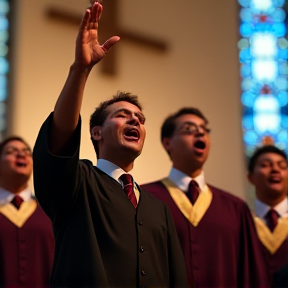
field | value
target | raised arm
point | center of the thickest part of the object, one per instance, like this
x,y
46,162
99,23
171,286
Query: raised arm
x,y
88,53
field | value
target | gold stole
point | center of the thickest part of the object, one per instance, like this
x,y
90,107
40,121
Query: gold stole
x,y
193,213
272,240
19,217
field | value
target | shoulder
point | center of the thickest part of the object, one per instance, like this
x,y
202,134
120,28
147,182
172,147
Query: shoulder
x,y
153,186
156,188
227,196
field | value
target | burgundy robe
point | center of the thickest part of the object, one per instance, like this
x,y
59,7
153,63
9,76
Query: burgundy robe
x,y
223,250
26,253
277,260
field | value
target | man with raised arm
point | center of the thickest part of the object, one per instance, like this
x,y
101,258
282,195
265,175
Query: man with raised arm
x,y
215,229
108,232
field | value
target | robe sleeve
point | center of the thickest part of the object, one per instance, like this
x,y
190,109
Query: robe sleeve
x,y
177,268
252,271
280,278
56,178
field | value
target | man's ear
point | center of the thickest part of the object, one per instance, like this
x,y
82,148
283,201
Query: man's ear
x,y
166,144
251,178
96,133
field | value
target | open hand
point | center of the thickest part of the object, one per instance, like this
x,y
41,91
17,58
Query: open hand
x,y
88,50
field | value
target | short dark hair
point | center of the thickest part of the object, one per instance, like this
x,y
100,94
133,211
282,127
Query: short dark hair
x,y
169,125
9,139
100,114
263,150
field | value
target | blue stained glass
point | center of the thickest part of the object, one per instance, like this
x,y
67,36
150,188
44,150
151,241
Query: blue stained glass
x,y
282,54
247,122
282,43
278,3
283,136
264,72
4,7
245,55
246,29
244,3
283,69
248,98
261,5
283,98
244,44
247,84
262,27
4,66
4,24
245,70
278,15
246,15
284,121
250,137
3,94
279,29
281,83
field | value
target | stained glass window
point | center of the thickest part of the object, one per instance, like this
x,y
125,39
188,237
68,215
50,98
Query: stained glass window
x,y
263,54
4,63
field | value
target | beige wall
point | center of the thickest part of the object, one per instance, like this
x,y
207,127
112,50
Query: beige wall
x,y
200,69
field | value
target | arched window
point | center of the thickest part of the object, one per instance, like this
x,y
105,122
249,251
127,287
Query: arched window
x,y
263,54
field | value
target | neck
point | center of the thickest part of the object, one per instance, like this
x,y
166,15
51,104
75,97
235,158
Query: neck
x,y
193,173
272,202
13,187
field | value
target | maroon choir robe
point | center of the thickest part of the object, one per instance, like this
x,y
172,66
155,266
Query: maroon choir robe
x,y
26,246
217,235
274,244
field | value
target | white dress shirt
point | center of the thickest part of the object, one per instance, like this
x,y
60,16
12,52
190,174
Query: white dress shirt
x,y
181,180
7,197
115,172
261,208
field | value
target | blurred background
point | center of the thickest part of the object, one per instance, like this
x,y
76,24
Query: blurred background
x,y
171,54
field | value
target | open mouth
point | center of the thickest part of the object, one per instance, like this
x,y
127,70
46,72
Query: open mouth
x,y
21,164
200,145
132,134
275,179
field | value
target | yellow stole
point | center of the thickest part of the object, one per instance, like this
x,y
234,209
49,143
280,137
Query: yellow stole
x,y
272,240
19,217
193,213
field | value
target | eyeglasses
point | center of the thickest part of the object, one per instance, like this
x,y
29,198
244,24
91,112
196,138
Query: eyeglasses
x,y
191,128
15,151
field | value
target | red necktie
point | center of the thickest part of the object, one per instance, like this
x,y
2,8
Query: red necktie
x,y
193,191
128,188
272,219
17,201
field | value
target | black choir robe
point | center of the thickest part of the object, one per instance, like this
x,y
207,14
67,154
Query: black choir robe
x,y
219,240
274,244
280,277
101,239
26,246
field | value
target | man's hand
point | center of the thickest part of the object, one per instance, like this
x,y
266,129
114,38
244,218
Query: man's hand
x,y
88,50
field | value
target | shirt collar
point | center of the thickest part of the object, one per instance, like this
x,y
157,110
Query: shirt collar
x,y
182,180
6,196
261,208
110,169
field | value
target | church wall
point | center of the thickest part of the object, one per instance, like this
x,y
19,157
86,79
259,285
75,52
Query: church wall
x,y
200,69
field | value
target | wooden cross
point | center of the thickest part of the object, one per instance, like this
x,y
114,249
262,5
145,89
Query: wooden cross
x,y
109,21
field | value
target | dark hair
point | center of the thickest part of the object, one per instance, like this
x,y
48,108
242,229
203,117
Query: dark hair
x,y
9,139
169,125
100,114
263,150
